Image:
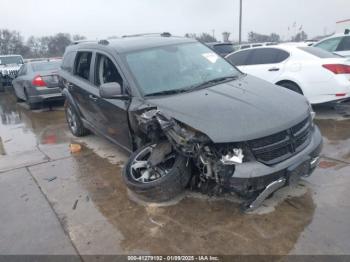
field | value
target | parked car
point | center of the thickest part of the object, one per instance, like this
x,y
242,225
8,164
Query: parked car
x,y
38,82
222,49
251,45
317,74
9,66
338,44
190,117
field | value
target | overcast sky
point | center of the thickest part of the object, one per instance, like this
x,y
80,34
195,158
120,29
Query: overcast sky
x,y
103,18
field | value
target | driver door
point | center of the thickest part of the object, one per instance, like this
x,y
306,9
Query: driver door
x,y
112,113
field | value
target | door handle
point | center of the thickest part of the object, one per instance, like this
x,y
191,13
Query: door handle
x,y
93,98
274,69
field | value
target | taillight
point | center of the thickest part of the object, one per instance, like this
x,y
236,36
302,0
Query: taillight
x,y
338,68
38,81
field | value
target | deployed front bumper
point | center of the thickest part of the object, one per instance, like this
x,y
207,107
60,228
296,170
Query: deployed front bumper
x,y
255,177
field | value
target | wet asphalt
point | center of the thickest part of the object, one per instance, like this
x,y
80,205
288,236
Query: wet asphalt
x,y
56,202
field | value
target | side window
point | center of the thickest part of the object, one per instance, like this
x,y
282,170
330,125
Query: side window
x,y
267,56
240,58
329,45
344,44
106,71
68,61
82,64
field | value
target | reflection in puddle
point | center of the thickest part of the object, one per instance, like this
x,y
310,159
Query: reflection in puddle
x,y
22,130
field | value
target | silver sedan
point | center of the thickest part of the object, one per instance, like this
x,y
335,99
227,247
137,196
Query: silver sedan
x,y
37,82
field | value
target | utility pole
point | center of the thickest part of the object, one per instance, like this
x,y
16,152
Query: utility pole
x,y
240,22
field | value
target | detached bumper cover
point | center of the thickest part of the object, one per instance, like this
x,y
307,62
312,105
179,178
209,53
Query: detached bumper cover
x,y
255,176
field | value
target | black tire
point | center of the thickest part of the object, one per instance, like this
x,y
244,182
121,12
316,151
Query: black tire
x,y
291,86
163,189
74,122
17,98
31,105
2,88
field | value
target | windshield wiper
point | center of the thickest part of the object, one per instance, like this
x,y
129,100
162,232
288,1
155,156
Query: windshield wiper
x,y
213,82
168,92
194,87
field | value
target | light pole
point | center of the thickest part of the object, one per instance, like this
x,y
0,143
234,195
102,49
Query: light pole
x,y
240,22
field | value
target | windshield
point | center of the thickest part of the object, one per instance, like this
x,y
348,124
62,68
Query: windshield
x,y
46,66
7,60
319,52
176,67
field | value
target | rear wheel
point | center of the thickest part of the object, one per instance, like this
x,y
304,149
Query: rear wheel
x,y
157,183
74,122
31,105
291,86
17,97
2,88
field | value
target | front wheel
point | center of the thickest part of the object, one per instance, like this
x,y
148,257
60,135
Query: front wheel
x,y
158,183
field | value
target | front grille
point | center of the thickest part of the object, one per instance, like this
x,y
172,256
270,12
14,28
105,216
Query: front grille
x,y
13,72
276,148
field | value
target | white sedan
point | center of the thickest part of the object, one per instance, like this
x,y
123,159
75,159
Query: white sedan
x,y
317,74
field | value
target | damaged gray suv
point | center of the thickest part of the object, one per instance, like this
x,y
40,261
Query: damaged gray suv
x,y
191,119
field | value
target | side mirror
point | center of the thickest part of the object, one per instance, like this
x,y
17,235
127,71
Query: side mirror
x,y
112,90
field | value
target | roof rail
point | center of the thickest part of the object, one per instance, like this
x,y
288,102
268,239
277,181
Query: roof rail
x,y
164,34
83,41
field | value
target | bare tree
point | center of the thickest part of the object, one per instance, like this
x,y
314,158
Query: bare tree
x,y
254,37
58,43
299,37
78,37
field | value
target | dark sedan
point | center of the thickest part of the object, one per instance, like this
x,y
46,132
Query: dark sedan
x,y
223,49
37,82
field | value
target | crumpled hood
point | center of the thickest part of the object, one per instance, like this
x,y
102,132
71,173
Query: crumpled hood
x,y
237,111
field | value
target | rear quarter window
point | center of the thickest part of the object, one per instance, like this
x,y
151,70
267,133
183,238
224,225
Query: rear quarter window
x,y
68,62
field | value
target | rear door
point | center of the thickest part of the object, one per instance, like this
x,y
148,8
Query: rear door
x,y
266,63
81,87
112,113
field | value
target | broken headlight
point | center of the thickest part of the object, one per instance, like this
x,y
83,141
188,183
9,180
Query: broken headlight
x,y
236,157
233,153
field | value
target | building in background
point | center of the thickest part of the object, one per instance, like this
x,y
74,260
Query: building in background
x,y
342,26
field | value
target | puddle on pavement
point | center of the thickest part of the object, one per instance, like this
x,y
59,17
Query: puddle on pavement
x,y
334,130
336,138
191,225
22,130
194,224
